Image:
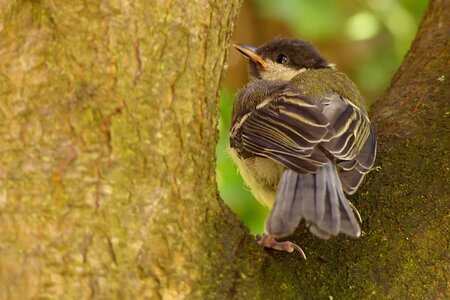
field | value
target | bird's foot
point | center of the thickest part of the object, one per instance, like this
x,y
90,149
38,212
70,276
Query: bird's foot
x,y
269,241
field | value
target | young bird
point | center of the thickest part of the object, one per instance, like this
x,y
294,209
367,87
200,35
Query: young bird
x,y
300,137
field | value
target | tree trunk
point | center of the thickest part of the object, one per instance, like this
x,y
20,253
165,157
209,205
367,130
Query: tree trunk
x,y
107,190
108,134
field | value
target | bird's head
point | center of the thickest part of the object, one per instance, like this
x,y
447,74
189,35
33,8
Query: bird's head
x,y
282,58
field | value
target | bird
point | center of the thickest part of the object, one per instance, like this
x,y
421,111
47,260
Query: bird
x,y
301,139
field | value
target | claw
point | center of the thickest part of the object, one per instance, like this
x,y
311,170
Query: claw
x,y
297,247
269,241
355,210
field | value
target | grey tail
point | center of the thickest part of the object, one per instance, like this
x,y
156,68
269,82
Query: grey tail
x,y
316,198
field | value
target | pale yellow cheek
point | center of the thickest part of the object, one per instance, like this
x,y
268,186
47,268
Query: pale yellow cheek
x,y
261,175
278,72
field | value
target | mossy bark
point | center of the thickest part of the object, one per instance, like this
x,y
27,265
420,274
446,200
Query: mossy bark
x,y
107,135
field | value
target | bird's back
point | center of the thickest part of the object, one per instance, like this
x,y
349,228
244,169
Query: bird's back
x,y
315,83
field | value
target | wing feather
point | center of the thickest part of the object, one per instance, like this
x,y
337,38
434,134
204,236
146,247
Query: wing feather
x,y
286,129
353,145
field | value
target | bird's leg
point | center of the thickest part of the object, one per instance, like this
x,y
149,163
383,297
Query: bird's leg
x,y
269,241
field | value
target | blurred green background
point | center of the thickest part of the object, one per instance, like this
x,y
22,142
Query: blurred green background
x,y
366,39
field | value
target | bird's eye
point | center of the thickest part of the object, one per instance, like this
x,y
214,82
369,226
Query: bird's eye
x,y
281,59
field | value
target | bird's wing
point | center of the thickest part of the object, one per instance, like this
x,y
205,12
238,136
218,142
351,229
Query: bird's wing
x,y
285,127
351,140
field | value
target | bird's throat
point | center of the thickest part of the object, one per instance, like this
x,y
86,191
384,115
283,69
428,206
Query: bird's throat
x,y
278,72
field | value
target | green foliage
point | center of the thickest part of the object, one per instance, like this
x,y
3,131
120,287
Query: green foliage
x,y
376,34
309,19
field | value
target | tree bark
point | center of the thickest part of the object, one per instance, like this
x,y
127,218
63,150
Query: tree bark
x,y
107,190
108,133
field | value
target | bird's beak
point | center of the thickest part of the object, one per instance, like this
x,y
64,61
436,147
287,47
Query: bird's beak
x,y
249,51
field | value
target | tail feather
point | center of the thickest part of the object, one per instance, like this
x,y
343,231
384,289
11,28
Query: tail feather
x,y
331,221
313,196
285,215
318,232
318,199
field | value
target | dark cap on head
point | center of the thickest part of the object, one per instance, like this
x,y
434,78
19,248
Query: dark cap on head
x,y
292,53
300,54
